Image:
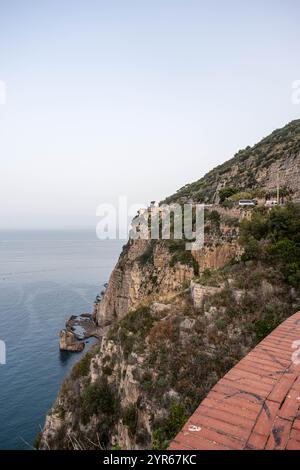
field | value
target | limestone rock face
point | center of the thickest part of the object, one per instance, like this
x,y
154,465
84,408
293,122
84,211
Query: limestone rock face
x,y
131,281
128,386
288,169
123,288
52,426
68,342
198,293
187,324
157,308
216,256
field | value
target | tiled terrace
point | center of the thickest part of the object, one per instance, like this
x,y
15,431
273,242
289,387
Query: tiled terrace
x,y
256,405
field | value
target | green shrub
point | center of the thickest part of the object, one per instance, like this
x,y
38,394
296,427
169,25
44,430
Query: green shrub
x,y
186,258
163,434
176,246
275,236
215,219
266,325
162,382
147,256
221,323
60,411
252,249
227,204
159,441
146,381
180,255
82,368
132,330
98,398
107,370
116,447
130,418
226,192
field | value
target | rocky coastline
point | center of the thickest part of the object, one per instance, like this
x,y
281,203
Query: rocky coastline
x,y
79,328
172,323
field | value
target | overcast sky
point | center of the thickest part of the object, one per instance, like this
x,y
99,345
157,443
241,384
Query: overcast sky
x,y
136,98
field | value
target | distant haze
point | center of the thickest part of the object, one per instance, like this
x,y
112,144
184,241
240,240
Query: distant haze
x,y
135,98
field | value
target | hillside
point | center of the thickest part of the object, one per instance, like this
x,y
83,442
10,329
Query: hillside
x,y
253,169
176,321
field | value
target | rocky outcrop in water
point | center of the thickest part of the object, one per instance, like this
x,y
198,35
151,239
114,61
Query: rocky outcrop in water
x,y
69,342
78,328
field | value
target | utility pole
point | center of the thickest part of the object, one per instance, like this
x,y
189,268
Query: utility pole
x,y
278,186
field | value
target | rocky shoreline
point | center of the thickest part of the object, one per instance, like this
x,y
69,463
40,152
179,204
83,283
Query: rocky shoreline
x,y
78,328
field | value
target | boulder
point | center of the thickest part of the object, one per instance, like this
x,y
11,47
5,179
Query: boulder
x,y
187,324
158,308
199,292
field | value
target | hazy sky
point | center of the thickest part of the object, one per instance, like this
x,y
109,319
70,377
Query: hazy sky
x,y
136,98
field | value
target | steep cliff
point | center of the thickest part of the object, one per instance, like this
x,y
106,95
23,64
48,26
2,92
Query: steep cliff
x,y
177,321
142,271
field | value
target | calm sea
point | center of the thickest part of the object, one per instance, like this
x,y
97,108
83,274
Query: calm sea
x,y
45,276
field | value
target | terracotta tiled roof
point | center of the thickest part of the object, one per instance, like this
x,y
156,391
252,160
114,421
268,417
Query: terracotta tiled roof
x,y
256,405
